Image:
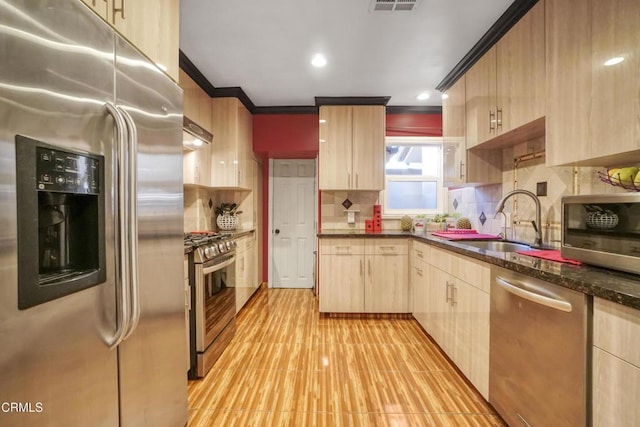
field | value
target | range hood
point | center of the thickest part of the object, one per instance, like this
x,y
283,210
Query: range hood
x,y
193,136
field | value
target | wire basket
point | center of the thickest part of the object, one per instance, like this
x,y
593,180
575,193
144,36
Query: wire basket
x,y
616,181
602,220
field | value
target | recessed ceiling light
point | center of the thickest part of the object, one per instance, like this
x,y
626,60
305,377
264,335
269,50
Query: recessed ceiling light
x,y
318,60
422,96
445,96
614,61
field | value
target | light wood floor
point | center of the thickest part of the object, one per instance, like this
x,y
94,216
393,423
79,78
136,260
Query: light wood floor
x,y
289,366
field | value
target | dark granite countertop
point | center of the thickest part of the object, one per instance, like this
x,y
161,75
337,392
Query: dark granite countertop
x,y
616,286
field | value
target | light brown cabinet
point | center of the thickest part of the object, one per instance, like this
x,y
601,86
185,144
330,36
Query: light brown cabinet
x,y
419,281
197,103
232,149
364,276
462,166
506,87
152,26
351,154
616,364
593,113
246,269
196,164
342,267
455,311
387,287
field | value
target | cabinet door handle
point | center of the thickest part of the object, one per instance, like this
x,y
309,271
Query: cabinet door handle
x,y
498,118
461,170
348,180
118,9
361,267
369,264
448,298
356,181
419,254
419,271
492,121
454,294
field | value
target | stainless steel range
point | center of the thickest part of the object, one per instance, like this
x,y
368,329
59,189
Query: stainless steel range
x,y
213,282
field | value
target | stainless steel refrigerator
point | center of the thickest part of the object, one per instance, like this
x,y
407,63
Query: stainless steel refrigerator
x,y
91,283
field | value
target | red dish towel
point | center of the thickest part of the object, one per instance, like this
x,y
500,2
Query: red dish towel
x,y
463,235
551,255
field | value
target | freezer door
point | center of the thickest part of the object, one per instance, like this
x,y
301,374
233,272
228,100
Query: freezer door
x,y
55,77
153,383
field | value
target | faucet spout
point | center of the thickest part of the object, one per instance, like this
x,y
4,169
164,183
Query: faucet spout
x,y
537,224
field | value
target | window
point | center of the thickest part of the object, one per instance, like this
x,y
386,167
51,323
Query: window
x,y
413,170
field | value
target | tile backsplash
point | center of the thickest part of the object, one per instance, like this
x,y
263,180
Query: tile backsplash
x,y
199,216
523,168
334,215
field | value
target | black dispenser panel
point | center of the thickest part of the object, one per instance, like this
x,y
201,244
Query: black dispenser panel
x,y
66,172
61,239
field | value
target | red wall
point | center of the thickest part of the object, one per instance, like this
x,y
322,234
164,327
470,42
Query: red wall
x,y
295,136
285,136
414,124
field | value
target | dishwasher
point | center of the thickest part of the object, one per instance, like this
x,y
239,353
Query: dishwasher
x,y
538,352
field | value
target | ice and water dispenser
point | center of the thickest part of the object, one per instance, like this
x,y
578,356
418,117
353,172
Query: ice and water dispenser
x,y
61,240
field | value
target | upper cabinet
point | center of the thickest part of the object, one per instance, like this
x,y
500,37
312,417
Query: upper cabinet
x,y
152,26
232,146
462,166
351,153
506,87
196,164
197,103
593,113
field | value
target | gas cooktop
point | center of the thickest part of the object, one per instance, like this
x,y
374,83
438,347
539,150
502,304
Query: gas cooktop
x,y
208,245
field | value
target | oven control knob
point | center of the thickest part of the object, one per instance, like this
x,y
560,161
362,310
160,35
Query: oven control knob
x,y
208,252
233,244
223,247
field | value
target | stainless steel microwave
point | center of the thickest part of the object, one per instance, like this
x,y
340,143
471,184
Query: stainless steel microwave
x,y
603,230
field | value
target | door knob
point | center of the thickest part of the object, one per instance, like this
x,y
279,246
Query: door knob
x,y
277,231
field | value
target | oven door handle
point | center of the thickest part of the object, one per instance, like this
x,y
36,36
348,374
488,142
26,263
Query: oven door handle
x,y
556,304
216,267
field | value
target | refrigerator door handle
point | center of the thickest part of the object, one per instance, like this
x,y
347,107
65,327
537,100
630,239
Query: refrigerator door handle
x,y
122,294
132,218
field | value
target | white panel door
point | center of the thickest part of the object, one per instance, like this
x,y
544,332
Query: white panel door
x,y
294,233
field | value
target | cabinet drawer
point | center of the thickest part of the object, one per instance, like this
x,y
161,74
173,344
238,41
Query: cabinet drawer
x,y
616,329
387,247
346,246
469,270
419,253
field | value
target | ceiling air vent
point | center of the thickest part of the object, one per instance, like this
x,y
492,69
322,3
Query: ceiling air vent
x,y
393,5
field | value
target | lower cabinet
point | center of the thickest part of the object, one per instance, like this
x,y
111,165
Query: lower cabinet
x,y
246,279
454,310
364,275
616,364
187,308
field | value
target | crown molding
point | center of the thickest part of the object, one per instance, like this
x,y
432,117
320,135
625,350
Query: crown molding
x,y
507,20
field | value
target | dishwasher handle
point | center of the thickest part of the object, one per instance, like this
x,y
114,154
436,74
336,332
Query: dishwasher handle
x,y
556,304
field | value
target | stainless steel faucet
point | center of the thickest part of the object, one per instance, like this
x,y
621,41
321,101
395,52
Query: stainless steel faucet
x,y
537,224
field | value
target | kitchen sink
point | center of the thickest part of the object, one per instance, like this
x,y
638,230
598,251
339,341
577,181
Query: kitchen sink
x,y
497,246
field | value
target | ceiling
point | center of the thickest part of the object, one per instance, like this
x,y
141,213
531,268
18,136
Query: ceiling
x,y
266,47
